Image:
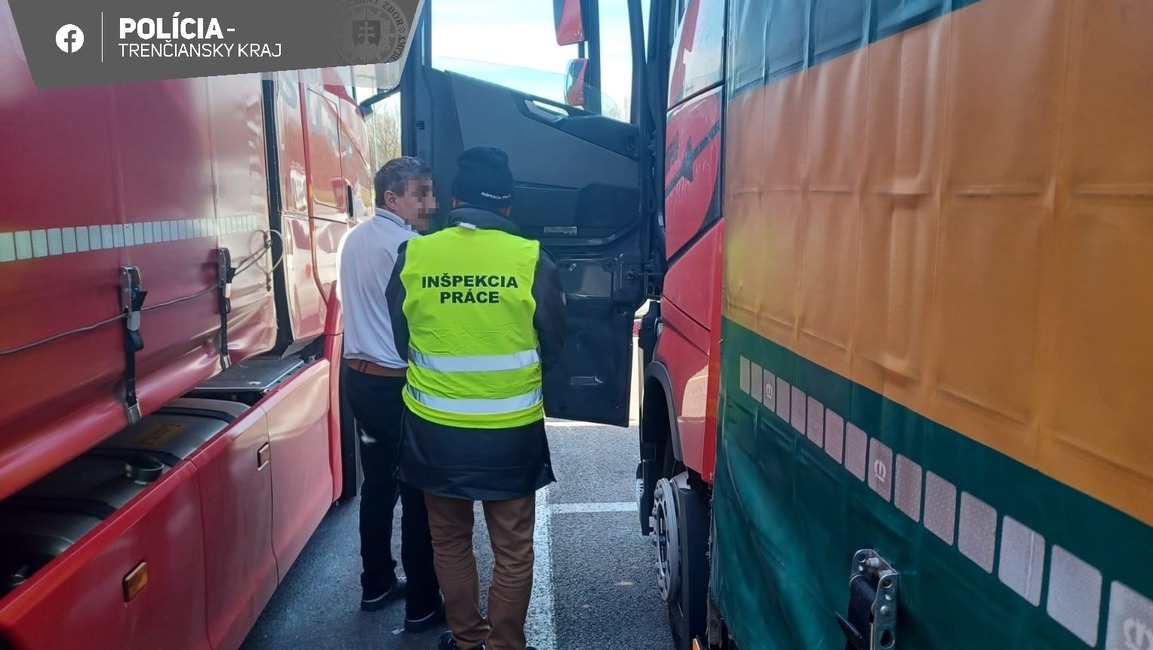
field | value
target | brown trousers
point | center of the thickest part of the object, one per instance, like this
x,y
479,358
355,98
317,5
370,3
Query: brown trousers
x,y
510,528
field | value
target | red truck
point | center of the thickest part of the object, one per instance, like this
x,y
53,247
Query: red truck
x,y
171,430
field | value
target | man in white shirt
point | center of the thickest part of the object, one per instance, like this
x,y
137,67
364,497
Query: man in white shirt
x,y
374,383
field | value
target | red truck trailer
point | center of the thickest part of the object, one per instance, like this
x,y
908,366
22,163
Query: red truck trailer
x,y
171,430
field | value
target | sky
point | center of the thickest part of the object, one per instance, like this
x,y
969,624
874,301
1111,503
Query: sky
x,y
481,38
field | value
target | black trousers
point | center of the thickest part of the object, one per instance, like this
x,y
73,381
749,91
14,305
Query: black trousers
x,y
378,407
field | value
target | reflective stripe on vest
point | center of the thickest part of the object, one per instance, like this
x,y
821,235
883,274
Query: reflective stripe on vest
x,y
482,363
477,406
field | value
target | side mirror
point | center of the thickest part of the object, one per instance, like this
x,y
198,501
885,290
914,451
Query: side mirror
x,y
574,82
569,21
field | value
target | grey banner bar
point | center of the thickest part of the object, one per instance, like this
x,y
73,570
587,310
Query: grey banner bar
x,y
86,42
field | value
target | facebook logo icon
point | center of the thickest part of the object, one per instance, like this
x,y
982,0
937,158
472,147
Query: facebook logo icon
x,y
69,38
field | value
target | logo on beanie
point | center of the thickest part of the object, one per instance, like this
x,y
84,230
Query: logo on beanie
x,y
483,176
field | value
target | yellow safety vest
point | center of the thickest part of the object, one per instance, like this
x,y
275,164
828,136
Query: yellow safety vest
x,y
473,358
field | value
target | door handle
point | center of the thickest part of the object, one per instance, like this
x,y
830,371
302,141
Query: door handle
x,y
263,455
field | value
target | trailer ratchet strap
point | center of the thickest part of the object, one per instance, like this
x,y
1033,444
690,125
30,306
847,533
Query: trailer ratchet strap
x,y
225,274
131,301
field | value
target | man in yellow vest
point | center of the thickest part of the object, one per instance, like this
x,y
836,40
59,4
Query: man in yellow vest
x,y
478,310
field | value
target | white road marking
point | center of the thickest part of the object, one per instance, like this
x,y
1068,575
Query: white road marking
x,y
566,424
570,508
540,627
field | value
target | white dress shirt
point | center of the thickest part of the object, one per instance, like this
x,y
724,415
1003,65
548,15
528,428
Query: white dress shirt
x,y
365,257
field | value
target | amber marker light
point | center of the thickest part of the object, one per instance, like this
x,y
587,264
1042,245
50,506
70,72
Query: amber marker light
x,y
135,581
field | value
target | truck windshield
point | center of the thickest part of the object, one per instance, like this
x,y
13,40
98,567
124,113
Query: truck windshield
x,y
520,48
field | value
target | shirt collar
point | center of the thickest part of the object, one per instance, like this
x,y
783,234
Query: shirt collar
x,y
482,218
381,212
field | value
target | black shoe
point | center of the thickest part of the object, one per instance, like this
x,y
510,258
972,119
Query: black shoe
x,y
371,602
417,624
446,642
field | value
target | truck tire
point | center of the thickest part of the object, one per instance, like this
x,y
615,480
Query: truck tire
x,y
681,517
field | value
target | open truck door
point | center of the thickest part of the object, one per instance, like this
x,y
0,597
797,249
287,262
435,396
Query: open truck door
x,y
577,192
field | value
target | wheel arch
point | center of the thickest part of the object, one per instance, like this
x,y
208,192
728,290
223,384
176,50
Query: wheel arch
x,y
658,394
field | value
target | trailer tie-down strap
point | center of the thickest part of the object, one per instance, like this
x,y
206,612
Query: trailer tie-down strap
x,y
225,274
871,623
131,302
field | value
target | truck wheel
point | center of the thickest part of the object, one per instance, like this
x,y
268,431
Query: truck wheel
x,y
681,525
666,538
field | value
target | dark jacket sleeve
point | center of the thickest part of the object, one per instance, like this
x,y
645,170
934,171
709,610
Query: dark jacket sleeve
x,y
549,318
395,294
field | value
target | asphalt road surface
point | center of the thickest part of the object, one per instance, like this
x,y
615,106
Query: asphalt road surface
x,y
594,581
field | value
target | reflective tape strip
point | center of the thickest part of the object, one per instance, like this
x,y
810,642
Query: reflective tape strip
x,y
489,363
477,406
21,245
